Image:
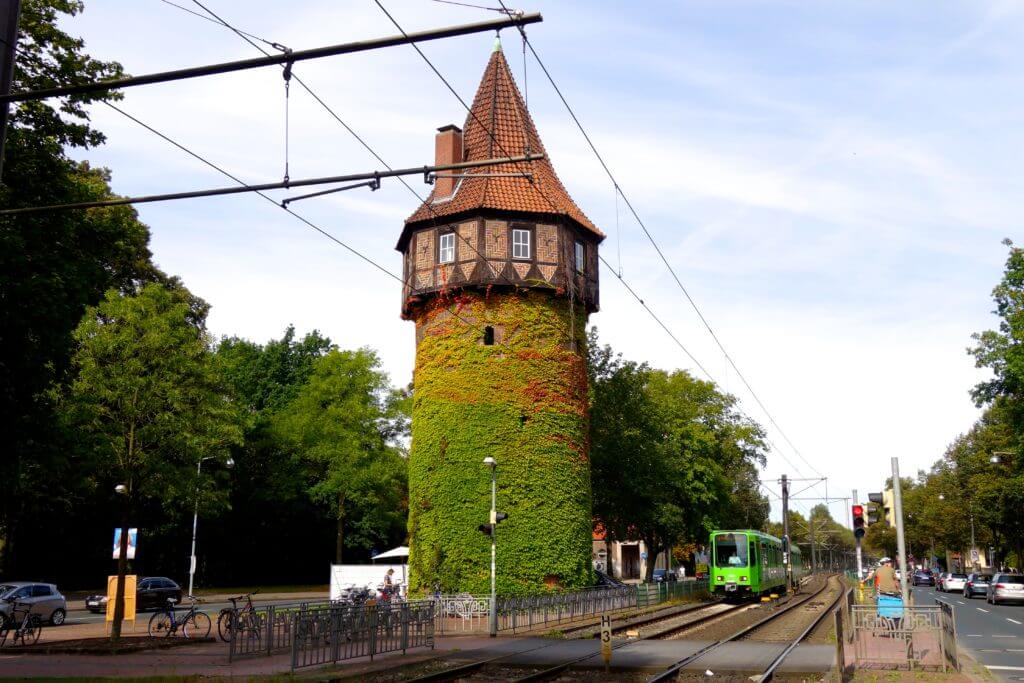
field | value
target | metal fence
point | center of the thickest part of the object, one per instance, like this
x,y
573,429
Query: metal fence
x,y
656,593
266,629
467,613
333,633
915,636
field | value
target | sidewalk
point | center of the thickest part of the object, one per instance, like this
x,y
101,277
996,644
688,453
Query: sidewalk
x,y
211,659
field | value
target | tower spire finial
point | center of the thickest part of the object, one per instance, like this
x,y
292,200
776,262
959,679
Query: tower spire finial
x,y
497,41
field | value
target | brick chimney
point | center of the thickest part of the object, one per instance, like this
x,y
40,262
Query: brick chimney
x,y
447,150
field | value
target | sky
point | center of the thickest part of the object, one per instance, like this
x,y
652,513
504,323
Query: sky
x,y
830,182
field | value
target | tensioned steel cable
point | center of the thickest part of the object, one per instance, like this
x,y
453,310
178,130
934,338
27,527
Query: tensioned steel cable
x,y
217,19
654,243
554,208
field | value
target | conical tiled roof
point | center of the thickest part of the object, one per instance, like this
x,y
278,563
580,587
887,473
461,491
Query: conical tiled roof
x,y
499,108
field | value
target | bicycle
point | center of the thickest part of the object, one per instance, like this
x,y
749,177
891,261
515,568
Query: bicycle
x,y
194,624
27,631
243,620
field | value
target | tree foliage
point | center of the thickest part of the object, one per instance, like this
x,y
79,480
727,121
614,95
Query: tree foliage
x,y
147,400
52,266
672,458
337,429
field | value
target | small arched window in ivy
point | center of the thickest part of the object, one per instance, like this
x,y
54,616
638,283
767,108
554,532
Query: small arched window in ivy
x,y
488,336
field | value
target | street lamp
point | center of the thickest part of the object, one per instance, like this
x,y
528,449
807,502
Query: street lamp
x,y
493,464
195,518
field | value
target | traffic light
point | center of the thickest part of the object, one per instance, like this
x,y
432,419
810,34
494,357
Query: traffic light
x,y
875,514
858,521
488,529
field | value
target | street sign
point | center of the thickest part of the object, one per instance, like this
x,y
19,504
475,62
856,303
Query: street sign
x,y
133,538
606,640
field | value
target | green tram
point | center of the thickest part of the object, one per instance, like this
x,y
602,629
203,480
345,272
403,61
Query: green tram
x,y
749,563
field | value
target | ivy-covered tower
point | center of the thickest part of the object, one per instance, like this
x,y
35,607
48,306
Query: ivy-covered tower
x,y
501,274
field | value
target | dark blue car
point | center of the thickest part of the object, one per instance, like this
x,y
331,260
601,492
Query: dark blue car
x,y
923,577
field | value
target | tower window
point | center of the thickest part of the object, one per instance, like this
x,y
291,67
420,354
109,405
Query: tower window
x,y
446,248
520,243
580,254
488,336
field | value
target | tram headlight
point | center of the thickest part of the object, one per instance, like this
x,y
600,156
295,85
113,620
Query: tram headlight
x,y
743,578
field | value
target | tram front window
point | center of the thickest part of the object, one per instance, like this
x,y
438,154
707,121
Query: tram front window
x,y
730,550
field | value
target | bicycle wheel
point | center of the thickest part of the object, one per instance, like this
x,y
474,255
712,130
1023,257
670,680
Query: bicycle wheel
x,y
224,625
4,630
197,625
160,625
31,631
250,626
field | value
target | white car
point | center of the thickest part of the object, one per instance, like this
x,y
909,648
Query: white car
x,y
954,583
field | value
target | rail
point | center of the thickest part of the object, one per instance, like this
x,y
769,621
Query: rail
x,y
671,672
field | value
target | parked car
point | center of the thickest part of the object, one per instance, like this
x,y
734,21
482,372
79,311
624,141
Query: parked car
x,y
977,584
954,582
151,592
661,575
1006,588
46,601
922,577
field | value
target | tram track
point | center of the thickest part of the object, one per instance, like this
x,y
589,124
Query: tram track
x,y
672,625
677,669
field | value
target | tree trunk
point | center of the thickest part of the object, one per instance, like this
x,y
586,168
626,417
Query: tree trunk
x,y
652,557
339,540
122,569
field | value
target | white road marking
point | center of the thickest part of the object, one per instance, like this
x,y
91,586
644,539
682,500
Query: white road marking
x,y
1013,620
960,602
980,609
1004,636
1004,668
1012,650
974,635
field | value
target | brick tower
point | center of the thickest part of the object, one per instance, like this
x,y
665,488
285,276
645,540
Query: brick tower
x,y
501,275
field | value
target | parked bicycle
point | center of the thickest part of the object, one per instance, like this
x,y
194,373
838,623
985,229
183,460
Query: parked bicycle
x,y
195,624
27,631
244,620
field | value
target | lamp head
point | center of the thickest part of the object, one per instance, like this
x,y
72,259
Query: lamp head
x,y
121,489
942,496
490,462
229,463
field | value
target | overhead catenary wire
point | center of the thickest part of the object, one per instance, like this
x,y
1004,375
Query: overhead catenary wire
x,y
469,324
657,248
494,140
217,19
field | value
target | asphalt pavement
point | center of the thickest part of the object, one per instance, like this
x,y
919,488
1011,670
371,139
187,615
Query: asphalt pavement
x,y
994,634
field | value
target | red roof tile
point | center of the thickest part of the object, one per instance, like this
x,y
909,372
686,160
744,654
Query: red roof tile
x,y
499,107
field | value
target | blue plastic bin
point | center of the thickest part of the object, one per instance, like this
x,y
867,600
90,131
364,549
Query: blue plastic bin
x,y
890,607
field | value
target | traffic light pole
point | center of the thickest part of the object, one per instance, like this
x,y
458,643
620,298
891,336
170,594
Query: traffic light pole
x,y
901,547
785,529
860,565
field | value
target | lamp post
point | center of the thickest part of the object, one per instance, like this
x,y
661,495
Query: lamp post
x,y
195,519
493,464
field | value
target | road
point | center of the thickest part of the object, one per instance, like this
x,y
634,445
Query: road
x,y
82,616
994,634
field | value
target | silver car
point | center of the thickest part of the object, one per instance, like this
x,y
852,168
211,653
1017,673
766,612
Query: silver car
x,y
1006,588
45,600
954,583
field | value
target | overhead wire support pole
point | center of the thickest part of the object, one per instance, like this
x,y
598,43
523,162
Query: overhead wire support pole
x,y
286,58
374,177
